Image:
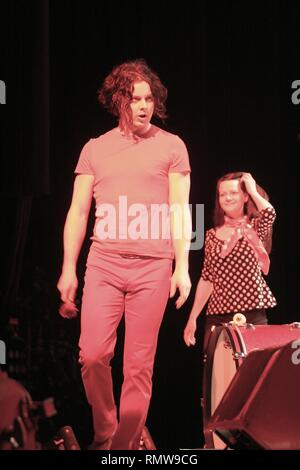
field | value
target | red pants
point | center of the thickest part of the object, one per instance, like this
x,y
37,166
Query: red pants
x,y
113,285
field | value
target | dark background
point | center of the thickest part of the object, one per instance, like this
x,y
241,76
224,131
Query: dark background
x,y
228,67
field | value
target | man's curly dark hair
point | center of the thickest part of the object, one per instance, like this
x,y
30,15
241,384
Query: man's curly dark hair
x,y
116,91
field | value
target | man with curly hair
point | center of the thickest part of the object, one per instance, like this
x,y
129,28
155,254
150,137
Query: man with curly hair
x,y
139,176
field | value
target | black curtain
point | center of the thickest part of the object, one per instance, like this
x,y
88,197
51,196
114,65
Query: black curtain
x,y
24,131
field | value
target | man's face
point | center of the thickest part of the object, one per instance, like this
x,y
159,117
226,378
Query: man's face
x,y
142,107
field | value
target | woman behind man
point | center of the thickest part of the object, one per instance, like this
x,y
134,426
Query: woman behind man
x,y
236,254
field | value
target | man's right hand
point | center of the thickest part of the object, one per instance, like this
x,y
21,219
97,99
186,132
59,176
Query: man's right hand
x,y
67,286
68,310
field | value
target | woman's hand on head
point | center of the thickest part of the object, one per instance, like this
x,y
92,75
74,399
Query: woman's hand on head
x,y
249,182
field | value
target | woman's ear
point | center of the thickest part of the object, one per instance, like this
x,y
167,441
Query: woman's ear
x,y
243,188
246,197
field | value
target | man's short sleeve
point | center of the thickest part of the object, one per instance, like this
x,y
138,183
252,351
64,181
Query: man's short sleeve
x,y
179,157
84,166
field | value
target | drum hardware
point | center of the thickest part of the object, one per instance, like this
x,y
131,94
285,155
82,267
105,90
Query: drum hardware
x,y
246,325
239,355
21,435
227,345
64,440
8,440
14,443
239,319
146,441
59,443
295,324
26,424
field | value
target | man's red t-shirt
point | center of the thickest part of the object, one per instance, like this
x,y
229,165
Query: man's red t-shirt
x,y
130,184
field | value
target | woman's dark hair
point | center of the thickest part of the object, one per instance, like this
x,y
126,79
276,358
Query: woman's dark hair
x,y
250,208
115,93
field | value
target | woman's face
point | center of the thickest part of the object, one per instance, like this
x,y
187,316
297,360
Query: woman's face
x,y
231,198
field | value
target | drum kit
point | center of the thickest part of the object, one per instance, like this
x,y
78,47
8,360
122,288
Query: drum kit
x,y
22,433
251,384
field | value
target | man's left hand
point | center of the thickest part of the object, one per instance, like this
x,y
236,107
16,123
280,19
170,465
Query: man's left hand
x,y
181,281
